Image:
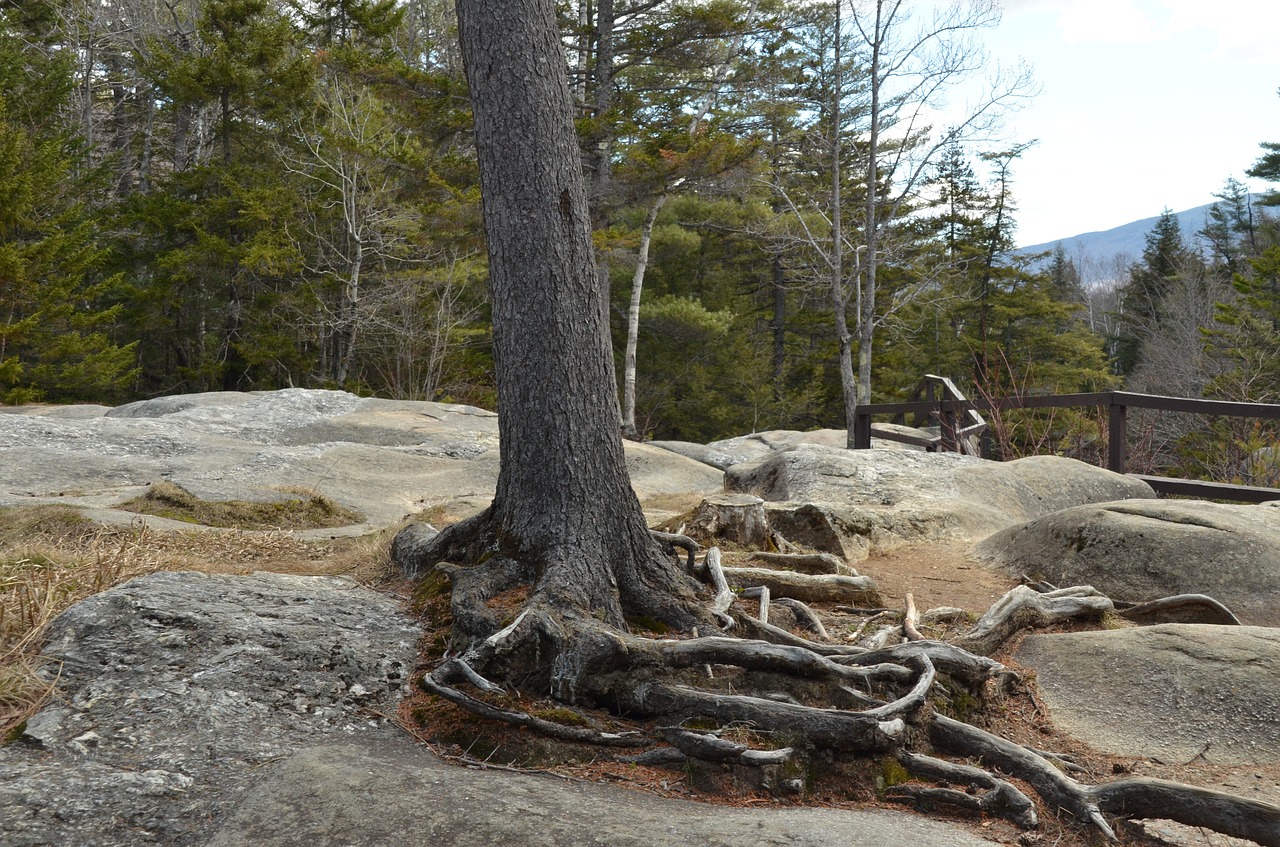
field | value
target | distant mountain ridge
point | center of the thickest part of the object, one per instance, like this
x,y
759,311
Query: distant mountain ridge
x,y
1094,252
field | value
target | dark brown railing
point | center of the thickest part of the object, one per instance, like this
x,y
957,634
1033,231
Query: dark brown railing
x,y
949,409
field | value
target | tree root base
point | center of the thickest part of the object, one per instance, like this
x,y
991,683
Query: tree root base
x,y
752,707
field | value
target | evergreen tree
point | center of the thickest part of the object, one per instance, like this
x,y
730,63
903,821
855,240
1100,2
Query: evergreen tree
x,y
55,332
1268,167
1247,339
1149,282
1064,276
993,325
1230,229
206,252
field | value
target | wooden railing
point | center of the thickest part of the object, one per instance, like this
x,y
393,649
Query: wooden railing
x,y
948,410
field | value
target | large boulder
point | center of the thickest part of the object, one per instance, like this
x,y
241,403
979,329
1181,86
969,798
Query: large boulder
x,y
744,449
1175,692
177,688
382,458
850,502
1145,549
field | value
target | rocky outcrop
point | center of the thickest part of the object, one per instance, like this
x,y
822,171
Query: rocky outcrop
x,y
1175,692
175,689
850,502
1145,549
225,711
382,458
375,795
744,449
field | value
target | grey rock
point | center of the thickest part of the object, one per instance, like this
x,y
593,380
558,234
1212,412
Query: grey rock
x,y
374,795
1175,692
159,407
656,473
78,412
850,502
1146,549
383,458
757,446
176,688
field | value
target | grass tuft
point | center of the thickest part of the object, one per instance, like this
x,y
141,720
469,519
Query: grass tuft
x,y
302,509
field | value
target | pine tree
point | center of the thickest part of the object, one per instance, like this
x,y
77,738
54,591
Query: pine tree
x,y
1268,167
1230,229
55,333
205,251
1064,276
1149,282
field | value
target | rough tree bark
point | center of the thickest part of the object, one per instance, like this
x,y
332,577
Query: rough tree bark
x,y
564,504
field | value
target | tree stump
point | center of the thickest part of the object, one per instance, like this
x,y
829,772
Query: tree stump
x,y
736,518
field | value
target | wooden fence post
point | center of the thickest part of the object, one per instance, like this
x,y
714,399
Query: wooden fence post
x,y
1116,435
861,429
947,429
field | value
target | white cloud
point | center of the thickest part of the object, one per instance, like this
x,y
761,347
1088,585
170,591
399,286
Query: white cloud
x,y
1239,31
1109,22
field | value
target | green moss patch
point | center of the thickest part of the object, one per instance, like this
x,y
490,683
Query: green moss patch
x,y
299,510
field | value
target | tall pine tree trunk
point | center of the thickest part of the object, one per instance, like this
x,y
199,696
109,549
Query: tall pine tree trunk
x,y
564,502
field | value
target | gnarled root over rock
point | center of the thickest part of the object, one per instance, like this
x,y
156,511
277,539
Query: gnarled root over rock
x,y
714,693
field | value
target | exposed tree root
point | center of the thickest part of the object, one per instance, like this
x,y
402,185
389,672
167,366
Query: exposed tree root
x,y
437,681
1228,814
955,662
1182,608
724,594
769,682
804,616
833,729
710,748
672,541
998,798
1187,608
811,563
808,588
761,595
1025,608
911,621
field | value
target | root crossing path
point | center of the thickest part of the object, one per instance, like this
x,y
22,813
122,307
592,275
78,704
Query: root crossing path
x,y
736,689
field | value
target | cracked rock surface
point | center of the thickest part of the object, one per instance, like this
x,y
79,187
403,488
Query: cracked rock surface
x,y
854,503
383,458
176,688
1177,692
376,795
1145,549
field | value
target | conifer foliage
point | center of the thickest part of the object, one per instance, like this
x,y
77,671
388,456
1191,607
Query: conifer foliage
x,y
251,194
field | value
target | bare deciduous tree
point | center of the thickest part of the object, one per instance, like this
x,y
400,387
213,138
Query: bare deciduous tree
x,y
910,69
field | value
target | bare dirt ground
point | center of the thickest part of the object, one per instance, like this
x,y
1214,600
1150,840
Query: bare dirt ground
x,y
941,574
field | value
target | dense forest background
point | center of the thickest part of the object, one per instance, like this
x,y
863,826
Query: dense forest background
x,y
208,195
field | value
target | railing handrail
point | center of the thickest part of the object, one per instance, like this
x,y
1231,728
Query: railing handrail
x,y
1117,403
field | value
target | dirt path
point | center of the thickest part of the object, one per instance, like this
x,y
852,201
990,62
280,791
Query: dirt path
x,y
938,574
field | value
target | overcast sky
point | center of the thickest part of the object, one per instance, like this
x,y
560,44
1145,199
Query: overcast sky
x,y
1145,104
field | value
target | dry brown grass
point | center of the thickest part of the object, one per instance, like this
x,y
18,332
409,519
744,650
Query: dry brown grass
x,y
51,557
300,508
